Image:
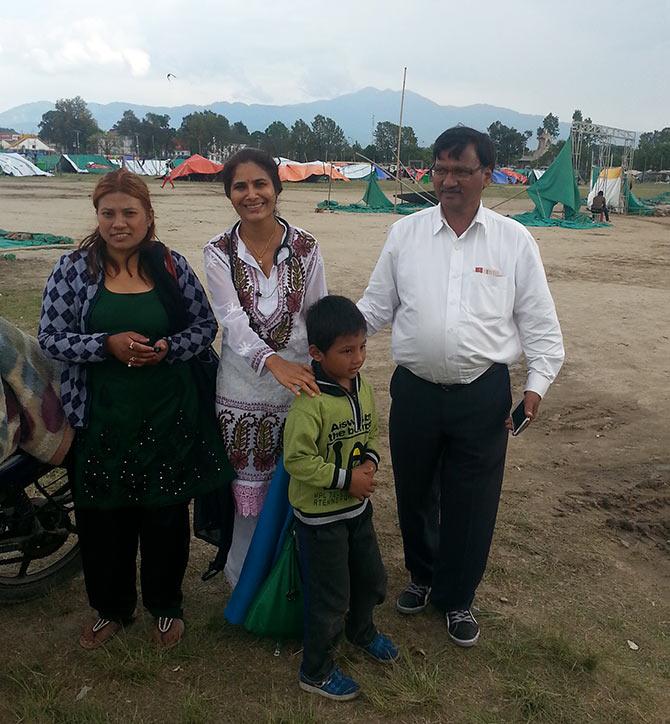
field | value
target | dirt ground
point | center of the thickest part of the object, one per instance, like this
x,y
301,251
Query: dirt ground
x,y
579,566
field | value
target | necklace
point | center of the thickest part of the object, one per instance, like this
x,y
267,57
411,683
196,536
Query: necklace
x,y
259,257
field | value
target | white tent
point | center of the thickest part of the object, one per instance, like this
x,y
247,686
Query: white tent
x,y
14,164
357,170
609,182
147,167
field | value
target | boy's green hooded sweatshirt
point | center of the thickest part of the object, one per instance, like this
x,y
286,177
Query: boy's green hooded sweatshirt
x,y
324,439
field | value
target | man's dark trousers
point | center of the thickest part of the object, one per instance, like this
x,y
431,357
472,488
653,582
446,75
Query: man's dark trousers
x,y
448,446
343,579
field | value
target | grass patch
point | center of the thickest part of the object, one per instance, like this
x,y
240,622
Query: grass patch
x,y
197,707
300,711
534,701
413,682
131,661
20,307
37,697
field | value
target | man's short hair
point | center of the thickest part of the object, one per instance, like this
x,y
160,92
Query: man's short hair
x,y
332,317
455,140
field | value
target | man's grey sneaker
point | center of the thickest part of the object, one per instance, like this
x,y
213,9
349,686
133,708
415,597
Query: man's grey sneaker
x,y
462,627
336,686
413,599
382,649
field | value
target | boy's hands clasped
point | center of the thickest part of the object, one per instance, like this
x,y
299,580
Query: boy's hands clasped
x,y
363,483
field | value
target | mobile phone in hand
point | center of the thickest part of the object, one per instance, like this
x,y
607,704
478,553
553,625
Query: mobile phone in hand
x,y
519,420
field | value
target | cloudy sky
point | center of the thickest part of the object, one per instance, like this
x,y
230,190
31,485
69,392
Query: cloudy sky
x,y
609,58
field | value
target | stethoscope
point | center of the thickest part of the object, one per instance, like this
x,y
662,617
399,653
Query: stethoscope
x,y
285,244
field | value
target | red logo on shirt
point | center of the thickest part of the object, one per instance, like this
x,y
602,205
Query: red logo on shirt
x,y
488,272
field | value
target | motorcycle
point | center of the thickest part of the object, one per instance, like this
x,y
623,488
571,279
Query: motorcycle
x,y
39,548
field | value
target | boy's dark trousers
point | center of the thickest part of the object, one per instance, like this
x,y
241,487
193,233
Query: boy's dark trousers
x,y
109,541
343,580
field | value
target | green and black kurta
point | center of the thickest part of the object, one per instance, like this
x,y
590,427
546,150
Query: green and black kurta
x,y
148,441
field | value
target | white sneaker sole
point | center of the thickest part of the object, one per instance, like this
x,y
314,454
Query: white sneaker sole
x,y
464,643
335,697
405,610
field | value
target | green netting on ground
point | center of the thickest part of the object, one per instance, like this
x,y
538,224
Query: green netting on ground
x,y
645,207
637,207
663,198
25,239
360,208
578,221
374,201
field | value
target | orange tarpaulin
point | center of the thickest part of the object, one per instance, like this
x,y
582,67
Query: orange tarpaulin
x,y
302,171
194,164
520,178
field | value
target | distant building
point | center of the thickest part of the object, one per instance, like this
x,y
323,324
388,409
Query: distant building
x,y
6,139
543,143
29,143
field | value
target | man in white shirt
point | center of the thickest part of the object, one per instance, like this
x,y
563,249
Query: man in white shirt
x,y
465,292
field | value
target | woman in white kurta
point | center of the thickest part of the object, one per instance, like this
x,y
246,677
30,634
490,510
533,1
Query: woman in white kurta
x,y
262,274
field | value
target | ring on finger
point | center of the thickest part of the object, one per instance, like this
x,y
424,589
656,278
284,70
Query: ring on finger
x,y
131,361
132,344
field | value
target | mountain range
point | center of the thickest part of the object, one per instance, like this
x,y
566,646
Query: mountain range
x,y
357,114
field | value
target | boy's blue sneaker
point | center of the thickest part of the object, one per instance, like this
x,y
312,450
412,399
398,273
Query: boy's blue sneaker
x,y
382,649
336,686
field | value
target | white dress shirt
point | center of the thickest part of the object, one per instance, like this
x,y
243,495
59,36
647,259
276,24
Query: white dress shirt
x,y
459,304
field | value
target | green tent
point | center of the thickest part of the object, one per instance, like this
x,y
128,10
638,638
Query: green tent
x,y
48,162
557,185
82,162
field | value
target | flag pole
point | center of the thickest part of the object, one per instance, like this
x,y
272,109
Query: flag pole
x,y
398,172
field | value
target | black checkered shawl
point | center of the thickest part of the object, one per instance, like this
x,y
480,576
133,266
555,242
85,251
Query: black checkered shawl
x,y
66,304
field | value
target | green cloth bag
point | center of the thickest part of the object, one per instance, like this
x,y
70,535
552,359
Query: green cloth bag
x,y
277,609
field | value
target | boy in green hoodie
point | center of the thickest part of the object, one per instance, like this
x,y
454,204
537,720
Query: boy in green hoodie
x,y
330,454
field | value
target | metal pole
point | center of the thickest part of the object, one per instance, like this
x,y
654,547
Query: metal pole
x,y
402,103
330,181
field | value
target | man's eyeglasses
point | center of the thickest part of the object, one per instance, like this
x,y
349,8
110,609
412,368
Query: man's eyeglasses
x,y
460,173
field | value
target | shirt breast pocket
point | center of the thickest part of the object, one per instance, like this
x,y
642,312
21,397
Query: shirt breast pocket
x,y
487,296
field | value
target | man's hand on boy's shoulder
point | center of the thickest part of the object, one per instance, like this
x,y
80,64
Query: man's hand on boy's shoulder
x,y
363,480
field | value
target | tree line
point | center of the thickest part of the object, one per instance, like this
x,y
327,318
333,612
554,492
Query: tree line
x,y
72,128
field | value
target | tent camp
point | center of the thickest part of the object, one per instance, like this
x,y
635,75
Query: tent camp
x,y
498,177
194,168
374,201
356,171
607,180
146,167
85,163
557,186
515,176
310,171
14,164
361,171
